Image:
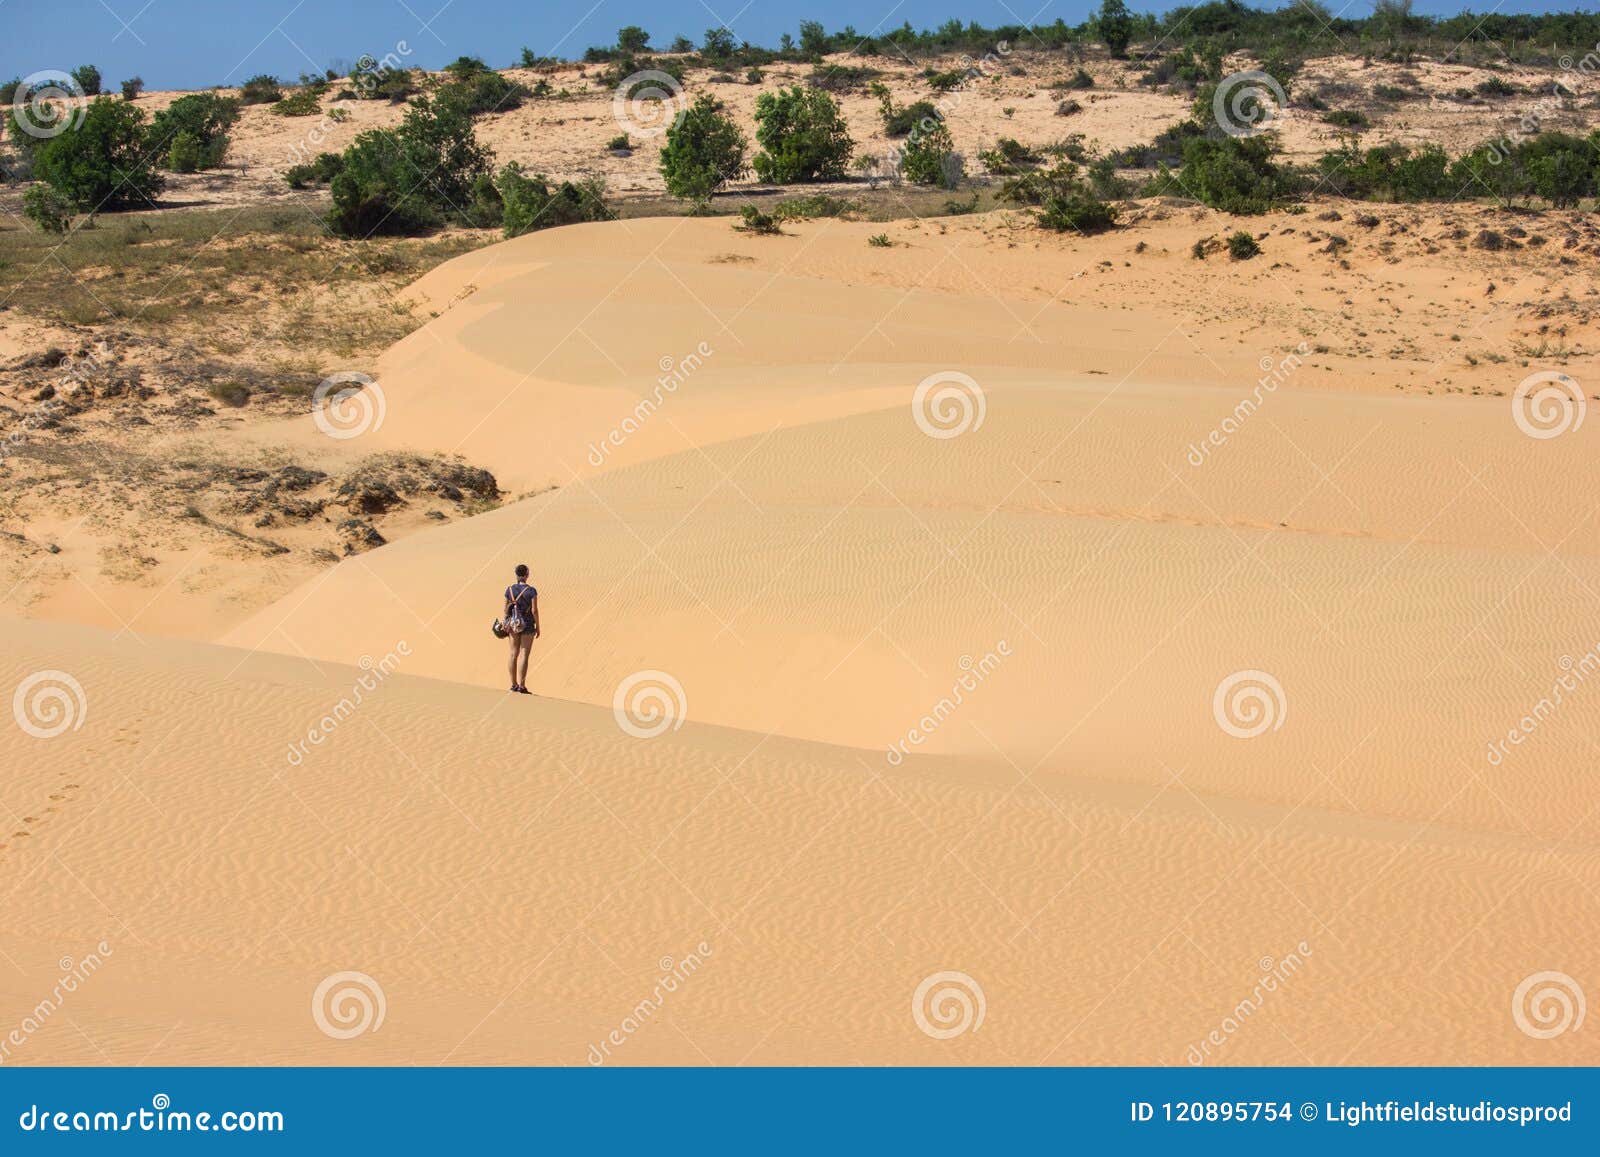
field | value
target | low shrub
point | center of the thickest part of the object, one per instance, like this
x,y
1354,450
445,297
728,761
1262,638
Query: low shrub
x,y
1242,246
261,89
532,203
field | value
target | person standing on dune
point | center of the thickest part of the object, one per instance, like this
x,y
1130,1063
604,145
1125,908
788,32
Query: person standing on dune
x,y
521,622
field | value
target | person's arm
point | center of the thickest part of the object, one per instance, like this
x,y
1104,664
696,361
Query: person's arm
x,y
506,595
535,614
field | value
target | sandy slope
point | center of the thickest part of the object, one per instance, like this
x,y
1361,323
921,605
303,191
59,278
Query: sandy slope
x,y
811,577
515,875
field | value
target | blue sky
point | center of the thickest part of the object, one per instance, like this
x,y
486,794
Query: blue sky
x,y
198,43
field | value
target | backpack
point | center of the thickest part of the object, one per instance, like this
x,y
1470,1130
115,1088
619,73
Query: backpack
x,y
515,623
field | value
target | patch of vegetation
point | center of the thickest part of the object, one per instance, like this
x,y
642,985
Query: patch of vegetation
x,y
132,87
1234,174
814,205
87,78
1242,246
1063,198
532,201
262,89
880,241
753,220
704,151
1347,118
1009,157
802,136
320,171
302,102
929,158
413,178
99,164
191,133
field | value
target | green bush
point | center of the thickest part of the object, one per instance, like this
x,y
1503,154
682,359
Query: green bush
x,y
1242,246
1064,200
1234,174
464,67
1388,173
1347,118
531,203
48,209
100,164
753,220
802,135
261,89
320,171
899,122
1009,157
948,80
8,90
303,102
411,179
203,120
632,39
484,92
704,151
929,158
1080,80
87,78
132,87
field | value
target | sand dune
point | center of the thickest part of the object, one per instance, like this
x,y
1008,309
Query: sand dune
x,y
1115,718
516,876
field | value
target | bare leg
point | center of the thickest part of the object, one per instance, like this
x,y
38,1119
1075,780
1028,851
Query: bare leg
x,y
524,652
511,665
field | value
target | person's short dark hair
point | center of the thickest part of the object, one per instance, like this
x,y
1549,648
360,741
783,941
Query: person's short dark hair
x,y
522,570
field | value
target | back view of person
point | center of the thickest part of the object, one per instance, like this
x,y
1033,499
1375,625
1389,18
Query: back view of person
x,y
521,621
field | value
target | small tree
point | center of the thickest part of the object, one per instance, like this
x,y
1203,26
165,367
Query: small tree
x,y
100,164
704,151
409,180
813,38
87,78
717,44
132,87
930,158
48,209
632,39
192,132
802,135
681,45
1115,23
